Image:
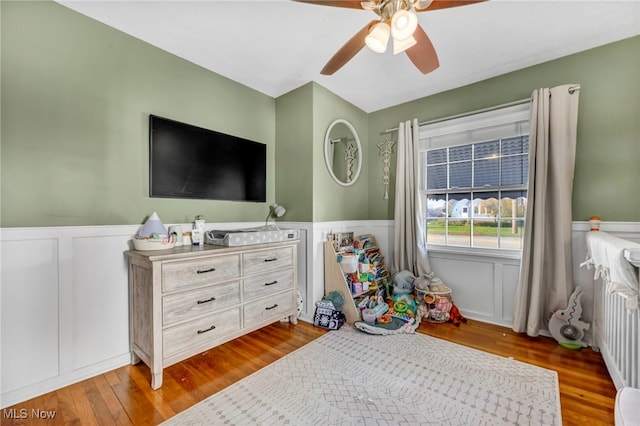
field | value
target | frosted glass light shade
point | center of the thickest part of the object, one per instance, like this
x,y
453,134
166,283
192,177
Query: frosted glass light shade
x,y
378,37
402,45
403,24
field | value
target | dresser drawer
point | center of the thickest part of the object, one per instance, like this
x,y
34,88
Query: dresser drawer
x,y
193,303
266,284
192,272
270,308
267,260
193,333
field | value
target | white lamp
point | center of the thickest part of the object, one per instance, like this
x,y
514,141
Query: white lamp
x,y
403,24
275,210
402,45
378,37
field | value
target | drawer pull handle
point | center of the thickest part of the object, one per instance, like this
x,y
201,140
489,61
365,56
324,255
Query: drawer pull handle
x,y
205,330
275,305
211,299
204,271
273,259
272,282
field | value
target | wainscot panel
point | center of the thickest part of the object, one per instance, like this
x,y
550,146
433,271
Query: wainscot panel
x,y
64,293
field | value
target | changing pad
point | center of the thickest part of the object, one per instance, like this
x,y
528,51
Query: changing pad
x,y
245,237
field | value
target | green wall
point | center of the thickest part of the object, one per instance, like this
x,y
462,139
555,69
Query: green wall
x,y
607,170
294,159
303,183
76,96
332,201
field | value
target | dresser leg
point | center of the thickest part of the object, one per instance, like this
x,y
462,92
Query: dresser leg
x,y
134,358
293,319
156,380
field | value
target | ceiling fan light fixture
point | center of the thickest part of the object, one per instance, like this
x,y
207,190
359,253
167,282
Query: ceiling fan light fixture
x,y
422,4
402,45
403,24
378,37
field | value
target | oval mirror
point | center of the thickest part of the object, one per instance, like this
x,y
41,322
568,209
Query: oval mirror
x,y
343,152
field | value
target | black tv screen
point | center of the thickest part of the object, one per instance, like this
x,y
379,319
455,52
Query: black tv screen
x,y
186,161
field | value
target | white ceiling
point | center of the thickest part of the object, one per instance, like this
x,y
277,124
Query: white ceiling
x,y
275,46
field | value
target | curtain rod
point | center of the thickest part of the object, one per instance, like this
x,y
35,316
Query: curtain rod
x,y
464,114
572,90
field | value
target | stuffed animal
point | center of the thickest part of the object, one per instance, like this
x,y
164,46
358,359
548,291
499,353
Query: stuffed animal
x,y
437,285
403,282
566,326
455,316
422,283
422,312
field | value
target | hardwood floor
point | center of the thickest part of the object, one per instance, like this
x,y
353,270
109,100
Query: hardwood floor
x,y
124,396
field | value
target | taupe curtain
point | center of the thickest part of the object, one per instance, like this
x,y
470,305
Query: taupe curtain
x,y
409,238
546,271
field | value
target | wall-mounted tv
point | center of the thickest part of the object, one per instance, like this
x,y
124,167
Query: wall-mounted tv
x,y
186,161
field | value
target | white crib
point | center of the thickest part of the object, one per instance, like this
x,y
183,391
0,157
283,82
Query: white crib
x,y
615,335
616,321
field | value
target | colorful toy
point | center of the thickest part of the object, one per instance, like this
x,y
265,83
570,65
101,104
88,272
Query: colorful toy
x,y
455,316
384,319
408,301
422,283
566,326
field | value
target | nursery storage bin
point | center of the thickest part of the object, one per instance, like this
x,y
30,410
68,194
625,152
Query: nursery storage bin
x,y
348,263
438,304
327,316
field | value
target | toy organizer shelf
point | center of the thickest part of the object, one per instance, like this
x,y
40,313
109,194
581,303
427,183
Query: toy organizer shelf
x,y
336,280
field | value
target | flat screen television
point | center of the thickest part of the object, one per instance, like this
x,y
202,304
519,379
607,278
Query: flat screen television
x,y
186,161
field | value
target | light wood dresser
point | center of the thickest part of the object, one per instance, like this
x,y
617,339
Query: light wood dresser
x,y
188,299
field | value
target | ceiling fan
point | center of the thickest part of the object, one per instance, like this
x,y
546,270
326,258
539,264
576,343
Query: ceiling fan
x,y
398,21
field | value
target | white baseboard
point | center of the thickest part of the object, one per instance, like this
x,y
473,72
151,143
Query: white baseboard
x,y
23,394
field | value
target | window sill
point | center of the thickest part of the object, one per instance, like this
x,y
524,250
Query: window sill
x,y
476,252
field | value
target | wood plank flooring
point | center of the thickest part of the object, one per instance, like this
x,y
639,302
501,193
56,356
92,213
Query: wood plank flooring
x,y
124,396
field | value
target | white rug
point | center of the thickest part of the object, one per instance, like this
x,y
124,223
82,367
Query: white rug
x,y
349,377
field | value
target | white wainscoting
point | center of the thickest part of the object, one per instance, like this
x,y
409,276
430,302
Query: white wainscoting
x,y
64,306
64,300
64,293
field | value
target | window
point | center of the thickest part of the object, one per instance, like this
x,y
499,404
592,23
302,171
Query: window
x,y
474,173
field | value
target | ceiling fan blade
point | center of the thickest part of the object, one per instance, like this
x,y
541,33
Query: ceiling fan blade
x,y
423,54
348,50
446,4
337,3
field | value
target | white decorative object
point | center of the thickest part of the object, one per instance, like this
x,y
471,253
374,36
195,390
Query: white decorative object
x,y
150,244
153,225
350,153
566,326
386,149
